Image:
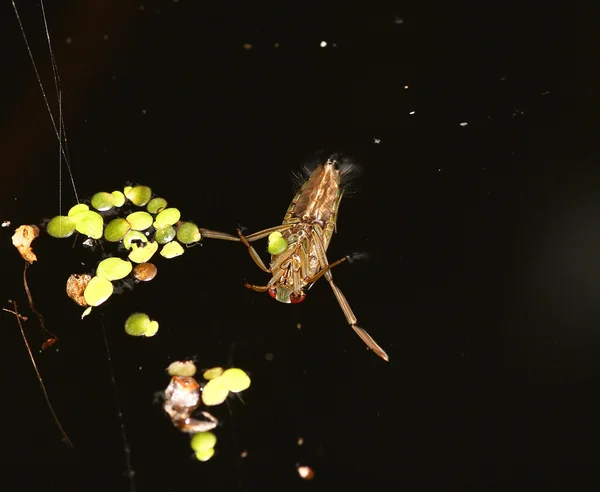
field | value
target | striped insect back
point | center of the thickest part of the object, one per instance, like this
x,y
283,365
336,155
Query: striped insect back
x,y
300,257
318,199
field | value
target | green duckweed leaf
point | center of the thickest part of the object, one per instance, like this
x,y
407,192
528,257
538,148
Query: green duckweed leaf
x,y
203,441
188,233
277,243
139,195
205,455
171,250
164,235
114,268
215,392
137,324
168,217
76,209
97,291
61,226
134,237
156,205
182,368
119,198
212,373
141,254
116,229
90,223
103,201
236,380
152,329
140,221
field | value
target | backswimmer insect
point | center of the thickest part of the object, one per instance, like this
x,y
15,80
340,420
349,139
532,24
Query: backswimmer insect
x,y
299,245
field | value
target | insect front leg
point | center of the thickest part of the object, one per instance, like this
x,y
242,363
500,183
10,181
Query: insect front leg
x,y
253,254
264,288
259,235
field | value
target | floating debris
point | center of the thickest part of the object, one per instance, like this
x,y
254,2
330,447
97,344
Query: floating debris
x,y
22,239
76,285
182,397
305,472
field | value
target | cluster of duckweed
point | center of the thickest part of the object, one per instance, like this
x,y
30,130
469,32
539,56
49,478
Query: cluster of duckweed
x,y
142,233
219,383
156,227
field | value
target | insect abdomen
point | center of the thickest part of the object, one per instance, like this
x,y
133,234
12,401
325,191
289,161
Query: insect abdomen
x,y
318,198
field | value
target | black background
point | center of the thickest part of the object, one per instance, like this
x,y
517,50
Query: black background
x,y
482,275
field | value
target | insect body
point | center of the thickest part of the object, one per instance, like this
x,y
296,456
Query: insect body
x,y
307,228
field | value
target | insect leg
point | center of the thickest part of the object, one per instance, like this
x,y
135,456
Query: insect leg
x,y
323,271
264,288
350,317
218,235
255,236
365,337
253,254
259,235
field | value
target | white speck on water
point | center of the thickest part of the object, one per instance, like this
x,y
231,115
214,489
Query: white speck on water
x,y
412,112
376,140
464,123
398,20
6,223
323,44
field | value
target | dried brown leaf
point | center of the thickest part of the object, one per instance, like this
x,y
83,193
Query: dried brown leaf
x,y
22,239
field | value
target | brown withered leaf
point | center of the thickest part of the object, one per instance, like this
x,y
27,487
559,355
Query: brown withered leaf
x,y
22,239
76,284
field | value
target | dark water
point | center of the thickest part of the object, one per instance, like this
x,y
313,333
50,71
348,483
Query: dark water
x,y
478,214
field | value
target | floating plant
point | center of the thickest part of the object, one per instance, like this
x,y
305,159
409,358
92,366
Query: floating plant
x,y
182,398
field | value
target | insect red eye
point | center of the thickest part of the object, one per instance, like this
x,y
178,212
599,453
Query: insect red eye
x,y
296,298
273,292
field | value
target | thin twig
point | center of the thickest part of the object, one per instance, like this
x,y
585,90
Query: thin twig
x,y
15,311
